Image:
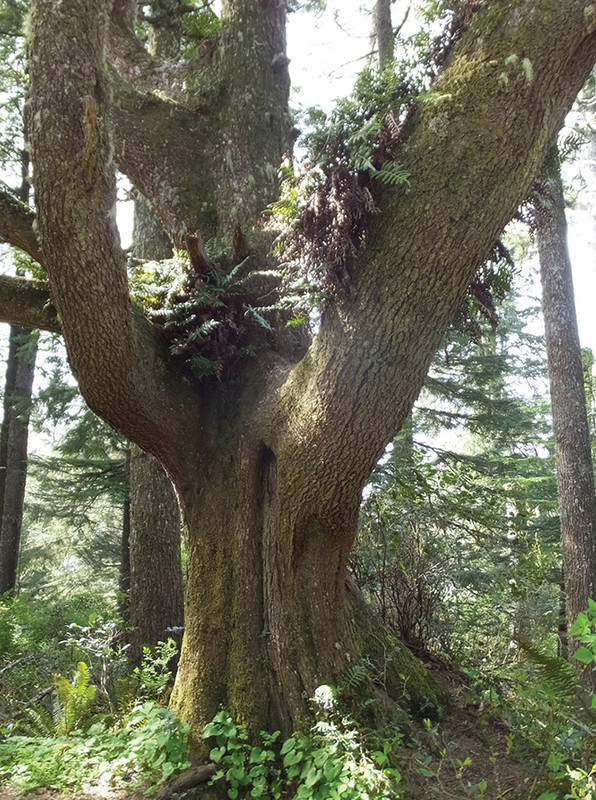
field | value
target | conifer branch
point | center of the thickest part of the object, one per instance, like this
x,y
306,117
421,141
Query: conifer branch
x,y
16,225
27,303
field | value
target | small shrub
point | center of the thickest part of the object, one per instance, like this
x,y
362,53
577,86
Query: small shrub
x,y
154,676
74,700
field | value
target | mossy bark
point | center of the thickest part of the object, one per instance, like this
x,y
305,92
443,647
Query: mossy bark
x,y
269,466
266,619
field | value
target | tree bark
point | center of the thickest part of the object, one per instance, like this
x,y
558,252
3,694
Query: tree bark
x,y
573,456
269,466
383,29
124,571
14,435
156,602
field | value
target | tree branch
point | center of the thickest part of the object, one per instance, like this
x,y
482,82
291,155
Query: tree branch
x,y
27,303
16,225
474,150
117,357
163,149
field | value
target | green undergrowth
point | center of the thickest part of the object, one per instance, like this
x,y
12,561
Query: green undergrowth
x,y
331,762
146,747
520,730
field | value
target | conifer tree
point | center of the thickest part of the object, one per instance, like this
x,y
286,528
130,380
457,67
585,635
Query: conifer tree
x,y
270,434
14,431
573,457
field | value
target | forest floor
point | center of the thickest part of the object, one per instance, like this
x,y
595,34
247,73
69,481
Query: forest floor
x,y
470,747
472,753
7,793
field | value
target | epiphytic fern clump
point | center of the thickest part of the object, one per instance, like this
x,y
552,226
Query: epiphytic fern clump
x,y
212,313
323,212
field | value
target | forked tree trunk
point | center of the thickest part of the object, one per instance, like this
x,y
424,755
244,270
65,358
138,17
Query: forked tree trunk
x,y
269,464
573,457
263,629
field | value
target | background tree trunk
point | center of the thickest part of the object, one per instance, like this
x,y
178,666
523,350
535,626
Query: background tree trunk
x,y
124,571
383,32
156,600
14,433
573,457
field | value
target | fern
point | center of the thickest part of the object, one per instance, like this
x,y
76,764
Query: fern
x,y
35,721
393,175
556,671
202,367
355,675
251,311
75,699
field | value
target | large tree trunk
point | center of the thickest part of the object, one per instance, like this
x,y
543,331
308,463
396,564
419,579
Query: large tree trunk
x,y
269,463
573,456
266,619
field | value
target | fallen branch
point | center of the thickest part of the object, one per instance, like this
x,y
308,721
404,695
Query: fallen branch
x,y
12,664
189,778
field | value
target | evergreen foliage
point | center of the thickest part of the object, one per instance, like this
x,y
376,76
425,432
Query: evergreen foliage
x,y
463,537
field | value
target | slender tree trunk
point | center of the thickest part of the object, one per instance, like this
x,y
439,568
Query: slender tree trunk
x,y
573,457
13,450
383,32
156,600
14,433
124,572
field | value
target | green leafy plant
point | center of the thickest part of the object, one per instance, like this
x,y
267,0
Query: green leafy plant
x,y
75,700
331,763
154,674
146,748
584,630
98,642
212,310
243,765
